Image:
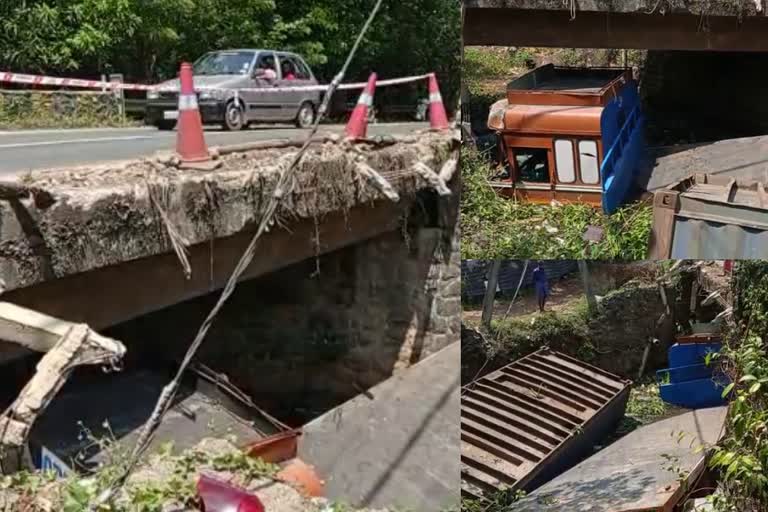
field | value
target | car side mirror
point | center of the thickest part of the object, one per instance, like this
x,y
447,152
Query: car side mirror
x,y
259,73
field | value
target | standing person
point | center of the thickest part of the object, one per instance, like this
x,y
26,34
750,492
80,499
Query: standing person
x,y
541,285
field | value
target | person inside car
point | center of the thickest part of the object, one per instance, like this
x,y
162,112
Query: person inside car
x,y
266,69
288,73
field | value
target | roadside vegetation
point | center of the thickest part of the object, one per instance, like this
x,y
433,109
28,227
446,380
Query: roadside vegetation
x,y
172,484
38,109
146,40
742,457
495,227
167,482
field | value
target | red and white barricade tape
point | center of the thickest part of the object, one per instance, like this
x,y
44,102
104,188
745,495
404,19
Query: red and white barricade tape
x,y
18,78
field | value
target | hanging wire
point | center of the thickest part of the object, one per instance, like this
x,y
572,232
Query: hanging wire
x,y
285,180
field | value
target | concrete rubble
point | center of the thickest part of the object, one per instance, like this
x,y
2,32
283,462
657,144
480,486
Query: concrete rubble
x,y
67,346
160,470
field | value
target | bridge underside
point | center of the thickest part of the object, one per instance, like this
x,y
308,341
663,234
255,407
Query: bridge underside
x,y
487,26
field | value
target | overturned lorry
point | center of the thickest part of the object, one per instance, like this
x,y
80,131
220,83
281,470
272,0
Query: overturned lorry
x,y
571,135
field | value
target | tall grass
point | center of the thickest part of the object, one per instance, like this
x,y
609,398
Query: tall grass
x,y
495,227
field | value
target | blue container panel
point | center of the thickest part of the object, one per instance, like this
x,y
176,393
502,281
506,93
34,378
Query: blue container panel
x,y
684,373
622,126
688,354
694,394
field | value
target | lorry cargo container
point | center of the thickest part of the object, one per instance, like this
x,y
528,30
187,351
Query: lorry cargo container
x,y
530,420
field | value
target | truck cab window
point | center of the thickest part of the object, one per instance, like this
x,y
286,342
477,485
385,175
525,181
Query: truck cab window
x,y
590,171
566,170
532,164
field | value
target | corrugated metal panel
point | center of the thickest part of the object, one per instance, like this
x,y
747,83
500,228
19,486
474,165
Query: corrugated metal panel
x,y
473,274
694,238
533,419
710,217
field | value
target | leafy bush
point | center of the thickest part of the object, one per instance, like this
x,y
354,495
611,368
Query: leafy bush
x,y
742,456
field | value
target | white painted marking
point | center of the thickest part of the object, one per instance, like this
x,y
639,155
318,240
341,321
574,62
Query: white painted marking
x,y
71,141
187,102
60,131
50,462
365,99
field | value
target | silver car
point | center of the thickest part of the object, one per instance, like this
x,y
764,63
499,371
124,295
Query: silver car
x,y
235,88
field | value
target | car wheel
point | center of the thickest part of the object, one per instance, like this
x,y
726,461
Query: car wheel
x,y
234,117
165,125
306,116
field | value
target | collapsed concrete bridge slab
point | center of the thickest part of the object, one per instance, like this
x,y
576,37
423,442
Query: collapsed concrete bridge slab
x,y
642,24
106,244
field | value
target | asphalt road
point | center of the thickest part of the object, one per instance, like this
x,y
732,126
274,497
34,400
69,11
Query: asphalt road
x,y
22,151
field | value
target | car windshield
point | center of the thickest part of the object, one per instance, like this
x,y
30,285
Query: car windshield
x,y
224,63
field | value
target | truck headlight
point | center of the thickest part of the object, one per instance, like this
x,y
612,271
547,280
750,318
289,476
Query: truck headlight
x,y
153,95
496,116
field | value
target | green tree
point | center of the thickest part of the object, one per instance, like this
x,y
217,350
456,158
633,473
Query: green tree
x,y
146,39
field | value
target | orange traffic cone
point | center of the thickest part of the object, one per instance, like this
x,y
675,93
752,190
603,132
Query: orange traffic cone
x,y
190,141
357,127
437,118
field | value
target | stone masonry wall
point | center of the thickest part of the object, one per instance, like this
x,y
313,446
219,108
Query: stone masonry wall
x,y
625,321
304,339
58,109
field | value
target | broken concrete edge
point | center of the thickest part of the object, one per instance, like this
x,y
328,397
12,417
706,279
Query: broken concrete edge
x,y
40,332
650,7
73,348
102,215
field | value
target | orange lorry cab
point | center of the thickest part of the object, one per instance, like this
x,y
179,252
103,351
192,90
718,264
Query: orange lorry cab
x,y
556,127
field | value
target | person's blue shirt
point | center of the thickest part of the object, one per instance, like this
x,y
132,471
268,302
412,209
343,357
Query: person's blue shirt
x,y
540,280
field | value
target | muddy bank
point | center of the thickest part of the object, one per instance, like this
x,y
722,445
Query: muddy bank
x,y
613,337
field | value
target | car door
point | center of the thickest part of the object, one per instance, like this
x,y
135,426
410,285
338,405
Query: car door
x,y
305,77
290,100
263,104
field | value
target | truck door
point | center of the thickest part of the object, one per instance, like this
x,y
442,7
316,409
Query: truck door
x,y
532,171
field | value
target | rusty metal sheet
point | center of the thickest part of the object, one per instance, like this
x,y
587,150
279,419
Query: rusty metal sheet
x,y
532,419
710,217
567,86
